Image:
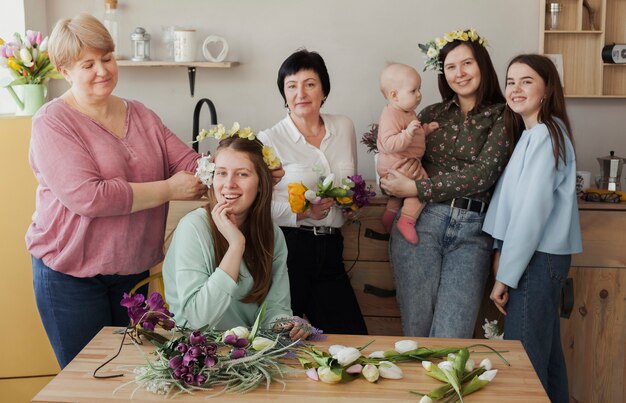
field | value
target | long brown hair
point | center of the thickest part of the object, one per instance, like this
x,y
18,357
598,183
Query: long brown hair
x,y
488,92
257,228
552,107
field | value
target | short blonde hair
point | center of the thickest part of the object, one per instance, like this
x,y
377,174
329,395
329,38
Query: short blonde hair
x,y
71,36
393,76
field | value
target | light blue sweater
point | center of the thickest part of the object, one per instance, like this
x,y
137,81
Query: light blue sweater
x,y
534,206
200,293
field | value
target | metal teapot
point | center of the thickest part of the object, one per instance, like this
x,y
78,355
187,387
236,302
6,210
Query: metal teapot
x,y
610,172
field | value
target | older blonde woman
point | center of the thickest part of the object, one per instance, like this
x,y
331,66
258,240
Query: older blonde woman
x,y
106,168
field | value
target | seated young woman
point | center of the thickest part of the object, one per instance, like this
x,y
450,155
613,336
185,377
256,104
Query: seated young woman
x,y
227,258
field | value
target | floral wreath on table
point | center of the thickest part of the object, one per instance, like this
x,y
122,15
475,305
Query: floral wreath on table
x,y
431,49
206,168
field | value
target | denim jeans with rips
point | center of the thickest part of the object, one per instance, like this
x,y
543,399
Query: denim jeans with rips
x,y
440,282
74,309
533,317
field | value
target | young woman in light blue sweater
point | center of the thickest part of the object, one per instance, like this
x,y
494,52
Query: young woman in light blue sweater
x,y
533,217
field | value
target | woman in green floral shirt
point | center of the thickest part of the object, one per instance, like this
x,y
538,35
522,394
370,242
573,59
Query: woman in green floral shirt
x,y
440,282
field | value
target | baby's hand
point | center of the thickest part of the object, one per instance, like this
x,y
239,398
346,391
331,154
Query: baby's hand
x,y
430,127
414,128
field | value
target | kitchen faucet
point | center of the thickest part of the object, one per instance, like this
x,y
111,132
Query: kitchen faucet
x,y
196,119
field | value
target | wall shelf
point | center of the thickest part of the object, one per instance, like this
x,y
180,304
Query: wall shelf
x,y
191,67
580,42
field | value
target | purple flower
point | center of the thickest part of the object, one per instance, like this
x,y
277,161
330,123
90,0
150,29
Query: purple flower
x,y
242,342
196,338
148,325
189,379
180,372
133,300
182,347
210,349
175,361
230,339
189,360
237,353
194,351
155,302
200,379
168,324
362,194
210,361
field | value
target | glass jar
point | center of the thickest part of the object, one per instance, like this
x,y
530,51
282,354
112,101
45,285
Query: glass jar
x,y
553,16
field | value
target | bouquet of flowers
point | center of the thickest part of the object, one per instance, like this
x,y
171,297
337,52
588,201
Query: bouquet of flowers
x,y
352,194
370,138
239,359
27,59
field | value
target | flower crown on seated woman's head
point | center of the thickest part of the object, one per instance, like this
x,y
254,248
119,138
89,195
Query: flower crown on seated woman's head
x,y
432,48
206,168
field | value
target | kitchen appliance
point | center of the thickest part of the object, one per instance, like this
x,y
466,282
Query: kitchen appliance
x,y
610,172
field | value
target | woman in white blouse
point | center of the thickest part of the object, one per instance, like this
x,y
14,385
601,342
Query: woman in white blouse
x,y
310,145
533,217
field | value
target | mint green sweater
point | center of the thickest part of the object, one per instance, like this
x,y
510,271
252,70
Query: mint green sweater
x,y
200,293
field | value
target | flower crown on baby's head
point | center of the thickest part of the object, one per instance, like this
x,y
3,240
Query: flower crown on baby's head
x,y
206,168
432,48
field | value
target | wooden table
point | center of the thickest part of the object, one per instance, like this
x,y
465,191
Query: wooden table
x,y
517,383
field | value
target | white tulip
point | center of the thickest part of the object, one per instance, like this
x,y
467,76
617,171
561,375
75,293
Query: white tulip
x,y
328,181
451,356
241,332
327,375
486,363
377,354
403,346
389,370
488,375
426,399
335,348
347,356
446,365
310,195
427,365
370,373
261,343
469,365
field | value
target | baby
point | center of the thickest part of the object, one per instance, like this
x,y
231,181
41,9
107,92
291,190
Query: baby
x,y
401,135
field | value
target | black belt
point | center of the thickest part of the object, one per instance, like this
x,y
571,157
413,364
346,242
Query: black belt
x,y
465,203
319,230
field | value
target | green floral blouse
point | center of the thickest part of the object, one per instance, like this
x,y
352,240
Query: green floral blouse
x,y
465,156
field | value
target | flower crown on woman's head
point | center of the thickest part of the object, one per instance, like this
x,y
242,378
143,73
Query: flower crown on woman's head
x,y
206,168
431,49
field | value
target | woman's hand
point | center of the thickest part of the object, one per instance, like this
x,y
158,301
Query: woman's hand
x,y
185,185
277,174
225,222
500,296
298,328
320,210
398,185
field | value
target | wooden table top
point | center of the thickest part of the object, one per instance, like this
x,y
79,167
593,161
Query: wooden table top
x,y
517,383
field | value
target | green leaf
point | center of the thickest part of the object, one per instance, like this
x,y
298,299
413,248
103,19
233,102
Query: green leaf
x,y
257,323
454,382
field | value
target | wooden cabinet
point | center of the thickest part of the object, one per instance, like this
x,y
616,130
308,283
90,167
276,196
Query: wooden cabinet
x,y
594,335
366,259
580,37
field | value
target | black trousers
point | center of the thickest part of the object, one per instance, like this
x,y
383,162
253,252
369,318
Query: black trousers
x,y
320,288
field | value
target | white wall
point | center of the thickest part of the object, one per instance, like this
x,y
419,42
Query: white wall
x,y
355,37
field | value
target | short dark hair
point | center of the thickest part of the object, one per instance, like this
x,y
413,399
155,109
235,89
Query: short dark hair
x,y
489,91
303,60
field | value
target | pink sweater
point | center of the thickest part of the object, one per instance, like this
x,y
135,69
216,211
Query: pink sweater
x,y
82,225
395,143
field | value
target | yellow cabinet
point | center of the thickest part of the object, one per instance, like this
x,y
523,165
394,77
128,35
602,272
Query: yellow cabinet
x,y
26,351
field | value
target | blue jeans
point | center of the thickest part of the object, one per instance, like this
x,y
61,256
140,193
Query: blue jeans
x,y
440,282
533,317
73,309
